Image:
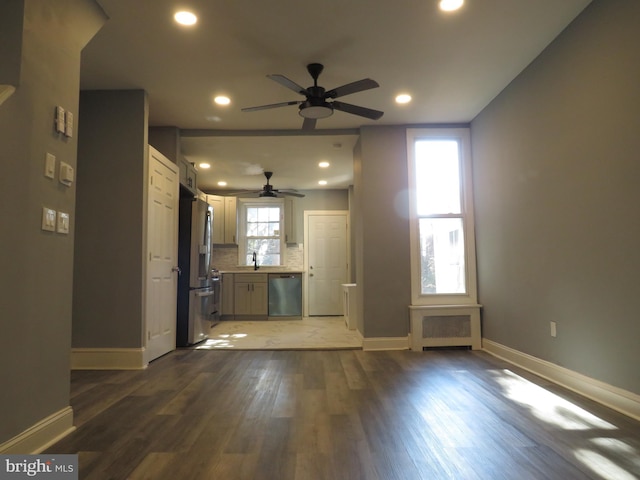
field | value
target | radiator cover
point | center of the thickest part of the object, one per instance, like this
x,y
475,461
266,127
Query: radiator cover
x,y
445,325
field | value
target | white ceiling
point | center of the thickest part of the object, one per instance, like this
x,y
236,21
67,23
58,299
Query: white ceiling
x,y
452,64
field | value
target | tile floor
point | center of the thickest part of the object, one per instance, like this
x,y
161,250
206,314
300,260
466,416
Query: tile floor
x,y
315,333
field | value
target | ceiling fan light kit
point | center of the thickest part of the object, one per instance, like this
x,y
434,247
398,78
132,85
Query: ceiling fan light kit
x,y
316,105
315,111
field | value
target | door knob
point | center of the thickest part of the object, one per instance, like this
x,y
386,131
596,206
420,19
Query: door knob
x,y
177,269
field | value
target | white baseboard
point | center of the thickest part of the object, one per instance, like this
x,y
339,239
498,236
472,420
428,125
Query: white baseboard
x,y
615,398
108,359
42,435
385,343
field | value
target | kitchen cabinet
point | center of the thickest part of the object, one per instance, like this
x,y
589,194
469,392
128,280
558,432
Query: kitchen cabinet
x,y
230,220
226,295
224,219
290,227
217,203
250,295
188,175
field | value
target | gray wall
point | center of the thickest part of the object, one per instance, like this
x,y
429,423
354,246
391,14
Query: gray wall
x,y
328,199
318,200
556,175
382,260
36,280
167,141
108,275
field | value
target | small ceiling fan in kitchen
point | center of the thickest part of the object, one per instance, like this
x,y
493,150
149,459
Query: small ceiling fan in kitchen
x,y
319,102
268,190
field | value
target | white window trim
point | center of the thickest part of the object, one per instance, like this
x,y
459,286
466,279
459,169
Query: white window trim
x,y
242,225
462,136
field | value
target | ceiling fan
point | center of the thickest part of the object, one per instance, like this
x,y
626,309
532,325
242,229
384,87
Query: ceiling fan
x,y
268,190
316,104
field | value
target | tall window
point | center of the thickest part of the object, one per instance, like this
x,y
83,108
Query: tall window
x,y
443,258
261,232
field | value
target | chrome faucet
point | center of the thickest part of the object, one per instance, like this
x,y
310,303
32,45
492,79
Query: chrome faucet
x,y
255,261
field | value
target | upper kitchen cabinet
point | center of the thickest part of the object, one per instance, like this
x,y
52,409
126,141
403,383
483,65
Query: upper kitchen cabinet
x,y
224,219
217,203
230,220
188,175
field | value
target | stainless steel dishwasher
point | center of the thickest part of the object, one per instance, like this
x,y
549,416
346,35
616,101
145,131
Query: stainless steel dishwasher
x,y
285,295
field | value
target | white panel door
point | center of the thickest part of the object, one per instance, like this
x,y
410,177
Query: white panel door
x,y
162,253
327,263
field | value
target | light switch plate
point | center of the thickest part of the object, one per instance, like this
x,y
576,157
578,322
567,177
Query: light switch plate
x,y
63,222
68,128
50,165
48,219
59,120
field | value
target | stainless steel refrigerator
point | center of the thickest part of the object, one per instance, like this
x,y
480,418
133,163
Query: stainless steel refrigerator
x,y
198,289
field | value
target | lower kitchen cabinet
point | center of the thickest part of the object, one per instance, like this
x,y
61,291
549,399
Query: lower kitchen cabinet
x,y
251,299
226,296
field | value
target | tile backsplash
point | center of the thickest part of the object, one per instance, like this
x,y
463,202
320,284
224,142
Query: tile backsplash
x,y
226,258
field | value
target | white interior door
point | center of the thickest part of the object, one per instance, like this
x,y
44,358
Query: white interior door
x,y
327,267
162,252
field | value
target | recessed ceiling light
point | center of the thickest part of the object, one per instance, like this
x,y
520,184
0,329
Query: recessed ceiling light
x,y
403,98
185,18
222,184
204,165
322,182
450,5
222,100
323,164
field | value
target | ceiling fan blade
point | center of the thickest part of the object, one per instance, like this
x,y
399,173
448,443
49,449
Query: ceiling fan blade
x,y
350,88
309,123
356,110
243,192
290,84
272,105
290,193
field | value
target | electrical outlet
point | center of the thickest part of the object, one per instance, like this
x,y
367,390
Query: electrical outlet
x,y
554,332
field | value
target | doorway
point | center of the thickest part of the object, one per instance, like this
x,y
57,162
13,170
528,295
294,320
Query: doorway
x,y
326,261
161,257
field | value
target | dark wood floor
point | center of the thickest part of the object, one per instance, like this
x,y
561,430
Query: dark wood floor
x,y
346,414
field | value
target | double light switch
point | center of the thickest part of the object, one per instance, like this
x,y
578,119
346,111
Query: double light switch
x,y
53,221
